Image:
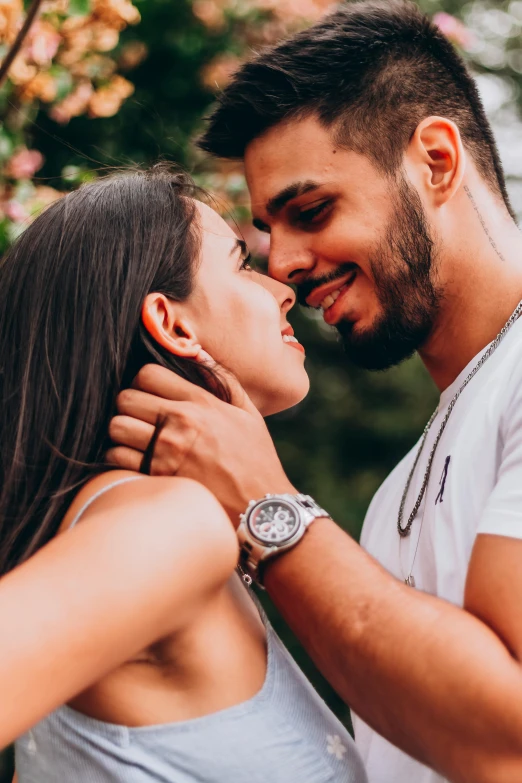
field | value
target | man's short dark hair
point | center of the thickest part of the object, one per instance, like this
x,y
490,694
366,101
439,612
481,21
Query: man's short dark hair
x,y
371,71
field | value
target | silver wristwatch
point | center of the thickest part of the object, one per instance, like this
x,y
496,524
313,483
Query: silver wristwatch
x,y
270,526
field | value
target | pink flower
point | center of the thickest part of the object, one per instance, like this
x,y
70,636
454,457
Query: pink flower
x,y
73,105
291,11
43,43
218,72
454,29
16,211
208,12
24,164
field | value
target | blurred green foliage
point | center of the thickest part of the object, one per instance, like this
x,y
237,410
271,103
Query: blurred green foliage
x,y
341,442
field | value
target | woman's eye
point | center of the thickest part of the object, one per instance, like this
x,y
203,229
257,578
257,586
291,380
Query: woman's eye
x,y
310,216
246,264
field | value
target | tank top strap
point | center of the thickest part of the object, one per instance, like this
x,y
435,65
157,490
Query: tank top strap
x,y
98,494
259,606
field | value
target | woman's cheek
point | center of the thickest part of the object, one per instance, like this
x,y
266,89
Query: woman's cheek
x,y
220,330
247,338
229,346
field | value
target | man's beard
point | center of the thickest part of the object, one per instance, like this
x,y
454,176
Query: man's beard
x,y
403,269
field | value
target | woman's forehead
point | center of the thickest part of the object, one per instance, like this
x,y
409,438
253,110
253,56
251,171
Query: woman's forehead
x,y
212,223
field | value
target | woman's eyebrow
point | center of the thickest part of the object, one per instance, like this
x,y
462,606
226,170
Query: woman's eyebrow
x,y
240,244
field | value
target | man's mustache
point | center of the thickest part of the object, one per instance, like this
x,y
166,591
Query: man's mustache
x,y
305,288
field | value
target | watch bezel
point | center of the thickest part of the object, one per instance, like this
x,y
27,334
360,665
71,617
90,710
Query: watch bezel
x,y
284,542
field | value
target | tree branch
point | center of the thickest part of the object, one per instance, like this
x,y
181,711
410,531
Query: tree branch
x,y
17,45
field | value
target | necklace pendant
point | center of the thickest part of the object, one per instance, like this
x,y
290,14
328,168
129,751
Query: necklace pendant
x,y
410,581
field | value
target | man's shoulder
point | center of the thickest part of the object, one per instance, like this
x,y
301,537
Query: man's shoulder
x,y
508,368
505,377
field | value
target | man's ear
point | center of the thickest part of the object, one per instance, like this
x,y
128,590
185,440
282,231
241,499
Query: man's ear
x,y
435,159
164,322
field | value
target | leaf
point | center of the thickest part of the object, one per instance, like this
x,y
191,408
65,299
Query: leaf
x,y
79,7
24,190
63,80
4,244
6,144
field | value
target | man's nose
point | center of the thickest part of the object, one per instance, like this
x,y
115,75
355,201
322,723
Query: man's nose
x,y
289,261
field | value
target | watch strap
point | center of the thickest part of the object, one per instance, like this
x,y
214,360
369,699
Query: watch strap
x,y
254,554
312,509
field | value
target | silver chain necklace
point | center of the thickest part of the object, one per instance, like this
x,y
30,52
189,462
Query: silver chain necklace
x,y
405,531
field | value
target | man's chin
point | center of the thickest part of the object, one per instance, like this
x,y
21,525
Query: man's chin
x,y
376,349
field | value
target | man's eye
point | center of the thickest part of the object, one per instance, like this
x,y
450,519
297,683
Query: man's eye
x,y
311,216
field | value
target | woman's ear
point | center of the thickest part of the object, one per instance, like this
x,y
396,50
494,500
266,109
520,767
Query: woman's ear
x,y
436,159
164,322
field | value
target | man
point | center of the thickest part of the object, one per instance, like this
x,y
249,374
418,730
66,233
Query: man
x,y
371,163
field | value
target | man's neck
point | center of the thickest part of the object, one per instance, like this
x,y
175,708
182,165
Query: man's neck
x,y
483,290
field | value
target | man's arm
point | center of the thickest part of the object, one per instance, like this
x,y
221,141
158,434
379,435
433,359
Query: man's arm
x,y
442,683
433,679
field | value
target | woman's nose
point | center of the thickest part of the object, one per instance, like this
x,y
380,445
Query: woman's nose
x,y
283,294
288,298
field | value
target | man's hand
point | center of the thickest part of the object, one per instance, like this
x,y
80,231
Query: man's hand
x,y
226,447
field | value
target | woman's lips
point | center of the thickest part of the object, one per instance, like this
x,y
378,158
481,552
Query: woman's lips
x,y
290,339
297,346
292,343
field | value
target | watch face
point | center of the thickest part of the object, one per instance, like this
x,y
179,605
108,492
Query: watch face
x,y
274,521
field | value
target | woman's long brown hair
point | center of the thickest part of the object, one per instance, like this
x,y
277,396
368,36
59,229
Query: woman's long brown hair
x,y
71,292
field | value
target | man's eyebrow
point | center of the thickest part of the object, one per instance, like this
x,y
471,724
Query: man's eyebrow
x,y
258,223
275,204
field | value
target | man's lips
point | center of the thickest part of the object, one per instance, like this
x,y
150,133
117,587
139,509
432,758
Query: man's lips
x,y
336,311
320,293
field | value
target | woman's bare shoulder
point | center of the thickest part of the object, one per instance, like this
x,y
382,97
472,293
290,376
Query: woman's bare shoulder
x,y
114,488
104,481
163,516
145,558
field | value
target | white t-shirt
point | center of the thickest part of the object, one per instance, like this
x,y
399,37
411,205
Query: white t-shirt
x,y
475,487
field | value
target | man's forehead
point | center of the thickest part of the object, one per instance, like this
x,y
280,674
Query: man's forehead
x,y
272,186
285,134
296,155
273,179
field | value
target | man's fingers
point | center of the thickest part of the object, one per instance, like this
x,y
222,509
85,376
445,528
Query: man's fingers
x,y
123,457
128,431
140,405
164,383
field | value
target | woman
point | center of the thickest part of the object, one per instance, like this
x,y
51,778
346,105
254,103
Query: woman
x,y
119,598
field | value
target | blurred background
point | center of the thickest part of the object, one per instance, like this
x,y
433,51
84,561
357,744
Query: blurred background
x,y
107,83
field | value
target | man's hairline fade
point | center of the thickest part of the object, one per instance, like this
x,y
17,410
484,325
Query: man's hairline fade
x,y
282,72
